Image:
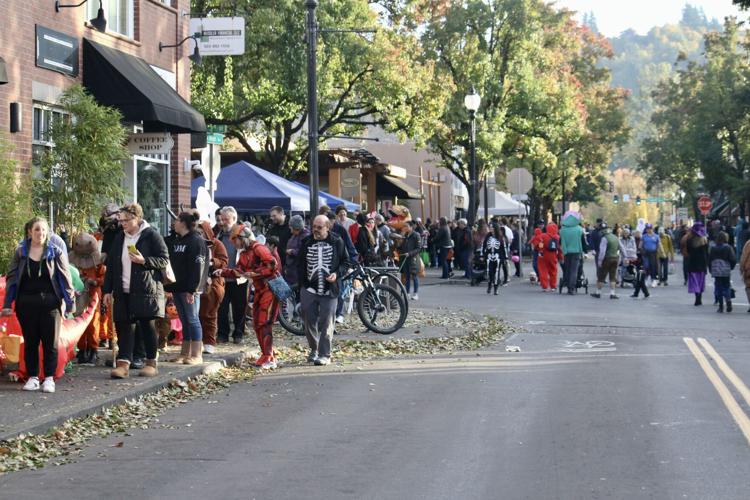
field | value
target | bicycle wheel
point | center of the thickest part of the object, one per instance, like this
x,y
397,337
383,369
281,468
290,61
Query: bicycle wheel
x,y
381,309
393,281
289,315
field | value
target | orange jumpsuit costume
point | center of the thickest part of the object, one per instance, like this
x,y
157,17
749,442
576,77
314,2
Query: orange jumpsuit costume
x,y
214,293
547,261
257,258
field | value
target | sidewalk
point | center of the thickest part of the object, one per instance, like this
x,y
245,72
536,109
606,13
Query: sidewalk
x,y
85,390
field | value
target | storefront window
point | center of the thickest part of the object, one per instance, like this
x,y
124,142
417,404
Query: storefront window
x,y
147,183
119,14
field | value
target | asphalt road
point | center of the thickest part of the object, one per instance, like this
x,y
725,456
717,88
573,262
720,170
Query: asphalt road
x,y
607,399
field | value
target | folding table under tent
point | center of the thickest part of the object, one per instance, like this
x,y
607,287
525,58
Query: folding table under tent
x,y
252,190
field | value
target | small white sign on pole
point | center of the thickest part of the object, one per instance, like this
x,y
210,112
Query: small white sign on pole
x,y
221,36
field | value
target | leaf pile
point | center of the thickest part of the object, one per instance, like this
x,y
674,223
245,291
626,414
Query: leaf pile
x,y
486,334
67,440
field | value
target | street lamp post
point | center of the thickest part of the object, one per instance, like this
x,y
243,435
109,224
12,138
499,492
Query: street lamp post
x,y
472,101
312,104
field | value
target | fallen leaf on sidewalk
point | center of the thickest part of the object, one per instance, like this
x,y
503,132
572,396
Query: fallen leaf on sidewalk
x,y
118,445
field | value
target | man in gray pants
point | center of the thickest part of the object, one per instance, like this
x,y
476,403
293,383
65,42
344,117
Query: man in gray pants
x,y
322,262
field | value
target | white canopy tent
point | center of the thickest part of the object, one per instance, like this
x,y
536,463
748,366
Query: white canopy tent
x,y
500,203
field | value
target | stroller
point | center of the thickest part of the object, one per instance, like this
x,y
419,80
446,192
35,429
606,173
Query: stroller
x,y
581,280
478,268
627,275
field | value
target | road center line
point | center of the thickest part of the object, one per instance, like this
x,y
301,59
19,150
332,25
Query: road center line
x,y
728,372
739,416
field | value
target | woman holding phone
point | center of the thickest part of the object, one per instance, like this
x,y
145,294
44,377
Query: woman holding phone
x,y
135,264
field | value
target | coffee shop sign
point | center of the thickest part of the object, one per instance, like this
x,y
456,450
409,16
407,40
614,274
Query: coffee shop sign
x,y
156,143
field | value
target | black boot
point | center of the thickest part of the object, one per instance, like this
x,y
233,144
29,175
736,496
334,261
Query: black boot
x,y
721,306
82,356
729,306
489,287
698,299
495,289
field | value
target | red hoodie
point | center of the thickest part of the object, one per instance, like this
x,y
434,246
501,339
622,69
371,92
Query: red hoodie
x,y
545,238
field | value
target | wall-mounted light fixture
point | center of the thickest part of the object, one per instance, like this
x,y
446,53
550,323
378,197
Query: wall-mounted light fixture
x,y
195,56
99,22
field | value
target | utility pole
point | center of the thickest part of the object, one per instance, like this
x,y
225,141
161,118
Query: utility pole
x,y
312,104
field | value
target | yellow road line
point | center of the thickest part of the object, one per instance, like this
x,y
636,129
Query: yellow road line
x,y
728,372
734,408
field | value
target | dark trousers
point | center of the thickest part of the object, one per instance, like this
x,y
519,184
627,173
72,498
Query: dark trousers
x,y
39,325
722,289
126,338
235,296
651,265
640,283
663,270
444,264
570,270
465,254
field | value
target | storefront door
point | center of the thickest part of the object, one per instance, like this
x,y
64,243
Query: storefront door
x,y
150,186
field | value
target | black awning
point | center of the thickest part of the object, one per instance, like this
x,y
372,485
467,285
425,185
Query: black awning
x,y
3,72
129,84
388,186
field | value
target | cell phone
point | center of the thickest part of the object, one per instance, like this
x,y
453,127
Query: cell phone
x,y
132,249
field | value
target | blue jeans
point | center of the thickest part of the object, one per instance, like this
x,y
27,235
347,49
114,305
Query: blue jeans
x,y
465,254
409,278
188,313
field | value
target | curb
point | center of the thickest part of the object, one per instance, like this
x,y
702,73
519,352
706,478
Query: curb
x,y
210,367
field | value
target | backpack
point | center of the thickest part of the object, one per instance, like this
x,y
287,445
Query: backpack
x,y
552,245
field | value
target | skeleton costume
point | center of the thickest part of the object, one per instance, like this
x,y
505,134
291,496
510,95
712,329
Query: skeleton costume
x,y
318,260
495,252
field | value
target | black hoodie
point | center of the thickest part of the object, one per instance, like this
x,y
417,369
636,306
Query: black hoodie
x,y
189,258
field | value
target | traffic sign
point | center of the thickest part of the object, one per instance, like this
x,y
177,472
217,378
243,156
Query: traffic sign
x,y
216,129
519,181
520,197
705,204
682,213
214,138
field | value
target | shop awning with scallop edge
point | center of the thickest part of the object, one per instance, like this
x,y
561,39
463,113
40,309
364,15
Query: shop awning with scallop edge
x,y
129,84
388,186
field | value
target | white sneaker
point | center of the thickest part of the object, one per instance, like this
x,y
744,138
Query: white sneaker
x,y
48,385
323,361
208,349
415,297
269,365
32,384
339,319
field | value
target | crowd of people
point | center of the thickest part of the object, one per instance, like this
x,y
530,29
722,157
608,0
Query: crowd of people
x,y
211,274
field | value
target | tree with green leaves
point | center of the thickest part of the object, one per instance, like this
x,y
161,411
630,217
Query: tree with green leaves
x,y
15,198
374,80
702,139
543,96
83,170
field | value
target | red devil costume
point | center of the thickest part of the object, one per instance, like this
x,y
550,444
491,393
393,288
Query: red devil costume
x,y
548,247
258,259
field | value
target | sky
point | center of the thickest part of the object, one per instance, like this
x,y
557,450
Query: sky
x,y
615,16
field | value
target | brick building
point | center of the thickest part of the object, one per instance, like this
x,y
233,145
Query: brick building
x,y
45,51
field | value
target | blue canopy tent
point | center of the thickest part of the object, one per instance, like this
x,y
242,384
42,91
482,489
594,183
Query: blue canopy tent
x,y
332,201
250,189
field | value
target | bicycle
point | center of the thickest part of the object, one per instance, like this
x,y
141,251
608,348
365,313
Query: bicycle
x,y
381,308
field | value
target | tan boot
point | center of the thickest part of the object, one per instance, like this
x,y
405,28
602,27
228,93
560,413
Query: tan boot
x,y
196,353
121,370
149,369
184,352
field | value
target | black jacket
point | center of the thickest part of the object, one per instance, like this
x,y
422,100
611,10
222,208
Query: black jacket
x,y
146,298
283,233
337,265
189,258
